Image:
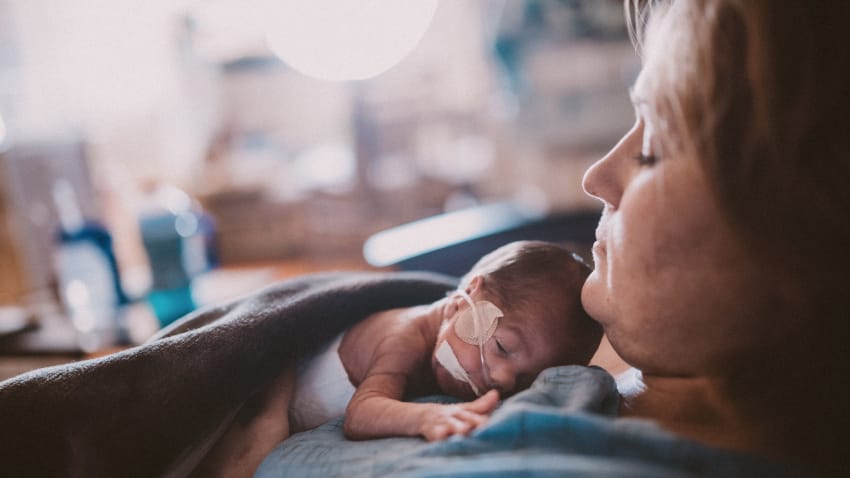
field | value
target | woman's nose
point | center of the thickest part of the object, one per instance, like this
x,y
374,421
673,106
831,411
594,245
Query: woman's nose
x,y
604,178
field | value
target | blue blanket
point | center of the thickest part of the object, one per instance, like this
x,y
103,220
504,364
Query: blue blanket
x,y
564,425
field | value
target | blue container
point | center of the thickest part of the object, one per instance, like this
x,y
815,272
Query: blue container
x,y
178,250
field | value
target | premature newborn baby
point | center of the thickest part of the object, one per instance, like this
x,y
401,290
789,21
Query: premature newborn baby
x,y
515,313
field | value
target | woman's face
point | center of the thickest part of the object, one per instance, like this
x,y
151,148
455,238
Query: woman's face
x,y
672,286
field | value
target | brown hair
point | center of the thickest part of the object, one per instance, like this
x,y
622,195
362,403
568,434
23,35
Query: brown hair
x,y
758,91
544,280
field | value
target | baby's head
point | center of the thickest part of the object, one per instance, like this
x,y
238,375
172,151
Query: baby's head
x,y
527,297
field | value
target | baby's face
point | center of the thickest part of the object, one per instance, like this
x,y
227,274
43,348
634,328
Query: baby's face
x,y
518,350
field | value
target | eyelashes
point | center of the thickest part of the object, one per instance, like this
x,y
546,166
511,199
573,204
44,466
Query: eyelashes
x,y
644,159
645,156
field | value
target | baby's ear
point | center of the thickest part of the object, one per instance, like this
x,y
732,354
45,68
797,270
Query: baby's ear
x,y
475,284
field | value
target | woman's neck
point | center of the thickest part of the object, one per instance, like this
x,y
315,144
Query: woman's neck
x,y
753,411
696,408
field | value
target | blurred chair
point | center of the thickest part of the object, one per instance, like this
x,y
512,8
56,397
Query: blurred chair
x,y
452,242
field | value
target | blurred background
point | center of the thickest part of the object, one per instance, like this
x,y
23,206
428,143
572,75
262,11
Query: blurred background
x,y
163,140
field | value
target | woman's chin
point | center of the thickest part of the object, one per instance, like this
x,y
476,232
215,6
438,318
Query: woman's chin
x,y
592,297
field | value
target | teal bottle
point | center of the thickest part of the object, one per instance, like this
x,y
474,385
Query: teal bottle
x,y
176,238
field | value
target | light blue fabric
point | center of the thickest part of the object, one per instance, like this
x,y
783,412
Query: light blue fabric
x,y
564,425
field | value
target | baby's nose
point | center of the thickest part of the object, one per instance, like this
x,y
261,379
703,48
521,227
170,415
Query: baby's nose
x,y
503,379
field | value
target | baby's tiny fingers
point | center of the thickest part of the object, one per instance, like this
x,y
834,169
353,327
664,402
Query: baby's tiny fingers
x,y
460,426
484,404
438,432
475,419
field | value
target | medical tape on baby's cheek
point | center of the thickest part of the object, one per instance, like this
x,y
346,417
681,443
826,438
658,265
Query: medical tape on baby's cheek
x,y
447,358
484,316
477,324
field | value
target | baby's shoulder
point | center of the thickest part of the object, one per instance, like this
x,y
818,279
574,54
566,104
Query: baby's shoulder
x,y
396,323
390,333
384,343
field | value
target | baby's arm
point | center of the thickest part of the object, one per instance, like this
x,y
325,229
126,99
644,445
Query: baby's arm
x,y
376,409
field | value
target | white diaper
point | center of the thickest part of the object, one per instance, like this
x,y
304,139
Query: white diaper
x,y
322,389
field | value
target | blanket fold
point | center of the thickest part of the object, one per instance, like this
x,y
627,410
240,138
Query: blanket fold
x,y
152,410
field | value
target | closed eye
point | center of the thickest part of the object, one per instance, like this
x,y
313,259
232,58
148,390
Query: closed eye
x,y
502,349
644,159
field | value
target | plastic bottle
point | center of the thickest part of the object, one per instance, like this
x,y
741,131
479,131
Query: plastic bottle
x,y
176,236
87,273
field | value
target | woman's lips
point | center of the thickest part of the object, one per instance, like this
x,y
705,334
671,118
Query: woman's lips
x,y
599,253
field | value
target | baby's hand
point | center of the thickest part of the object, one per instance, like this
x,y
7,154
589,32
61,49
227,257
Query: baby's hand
x,y
443,421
